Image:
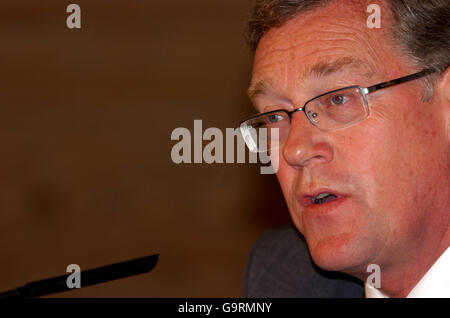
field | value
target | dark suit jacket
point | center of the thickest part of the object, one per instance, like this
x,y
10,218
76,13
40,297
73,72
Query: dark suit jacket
x,y
279,265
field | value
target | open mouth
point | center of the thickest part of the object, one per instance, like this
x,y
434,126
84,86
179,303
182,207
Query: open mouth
x,y
322,198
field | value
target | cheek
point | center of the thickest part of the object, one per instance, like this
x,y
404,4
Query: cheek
x,y
287,177
368,153
392,155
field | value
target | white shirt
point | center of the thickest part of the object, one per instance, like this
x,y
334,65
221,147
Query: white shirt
x,y
434,284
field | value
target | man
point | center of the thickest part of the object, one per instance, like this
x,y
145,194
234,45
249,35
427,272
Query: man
x,y
364,168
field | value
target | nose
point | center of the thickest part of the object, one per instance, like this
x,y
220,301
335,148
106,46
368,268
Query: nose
x,y
306,144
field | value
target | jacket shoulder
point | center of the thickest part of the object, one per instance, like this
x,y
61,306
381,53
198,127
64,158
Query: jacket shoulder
x,y
279,265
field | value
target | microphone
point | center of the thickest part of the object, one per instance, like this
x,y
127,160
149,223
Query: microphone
x,y
88,278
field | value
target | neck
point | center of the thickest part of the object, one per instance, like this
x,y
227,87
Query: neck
x,y
397,281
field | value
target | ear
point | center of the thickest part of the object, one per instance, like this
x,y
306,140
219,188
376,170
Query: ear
x,y
443,95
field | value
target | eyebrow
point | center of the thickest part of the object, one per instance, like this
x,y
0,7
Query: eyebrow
x,y
257,89
320,69
325,68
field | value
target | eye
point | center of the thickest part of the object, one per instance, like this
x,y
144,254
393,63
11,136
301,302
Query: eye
x,y
274,118
338,99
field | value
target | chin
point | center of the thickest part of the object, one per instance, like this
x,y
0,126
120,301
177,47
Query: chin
x,y
342,253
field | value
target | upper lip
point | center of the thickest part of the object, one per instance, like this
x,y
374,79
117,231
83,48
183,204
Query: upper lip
x,y
306,196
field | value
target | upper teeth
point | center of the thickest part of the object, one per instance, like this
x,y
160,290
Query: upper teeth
x,y
322,195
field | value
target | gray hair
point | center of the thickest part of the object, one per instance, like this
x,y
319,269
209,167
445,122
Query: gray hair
x,y
421,28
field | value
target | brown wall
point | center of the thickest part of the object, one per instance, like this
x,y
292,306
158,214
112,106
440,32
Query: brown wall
x,y
86,175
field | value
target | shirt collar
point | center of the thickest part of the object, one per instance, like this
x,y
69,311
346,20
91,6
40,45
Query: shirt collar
x,y
434,284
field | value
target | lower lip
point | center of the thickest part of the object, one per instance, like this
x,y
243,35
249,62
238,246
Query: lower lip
x,y
325,208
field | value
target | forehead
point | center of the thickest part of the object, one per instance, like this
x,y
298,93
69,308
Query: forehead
x,y
323,39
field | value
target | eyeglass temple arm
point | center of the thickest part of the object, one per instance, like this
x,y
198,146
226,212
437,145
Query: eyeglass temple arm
x,y
398,81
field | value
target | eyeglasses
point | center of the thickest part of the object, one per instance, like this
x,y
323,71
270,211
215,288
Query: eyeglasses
x,y
337,109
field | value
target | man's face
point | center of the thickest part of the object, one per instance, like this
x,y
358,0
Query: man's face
x,y
390,172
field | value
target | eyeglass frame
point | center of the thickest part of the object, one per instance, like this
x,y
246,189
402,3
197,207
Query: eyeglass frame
x,y
363,90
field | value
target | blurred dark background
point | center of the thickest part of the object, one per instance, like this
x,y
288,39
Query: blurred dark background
x,y
86,175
